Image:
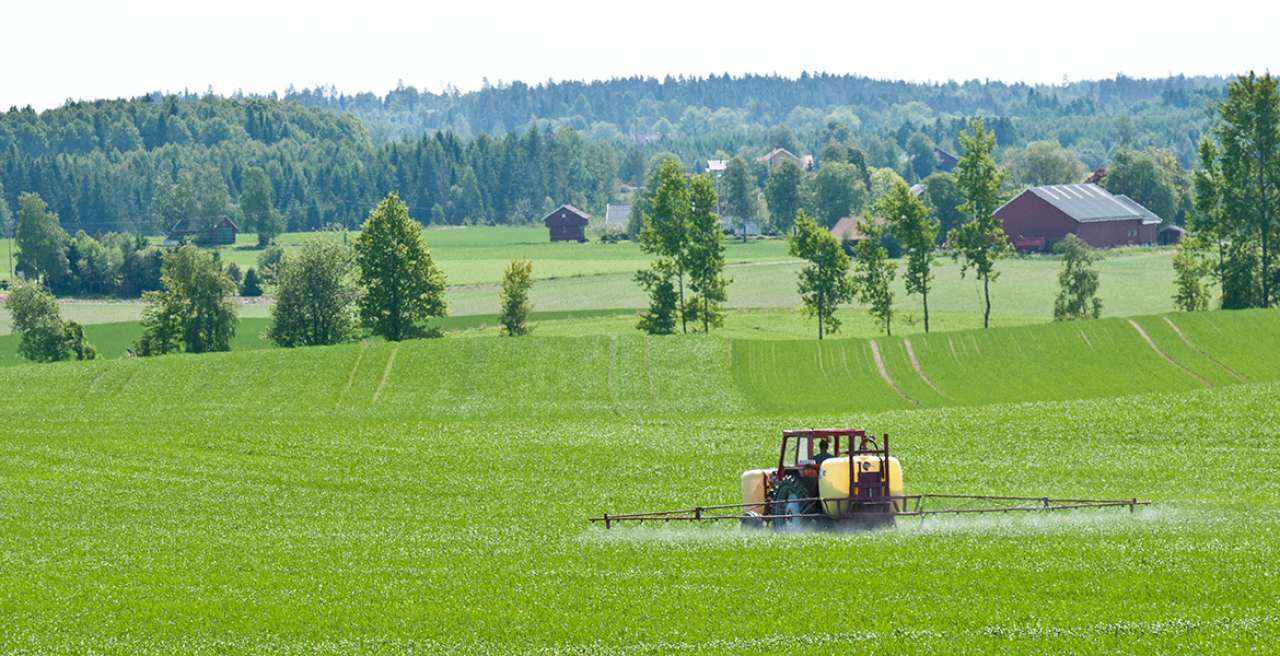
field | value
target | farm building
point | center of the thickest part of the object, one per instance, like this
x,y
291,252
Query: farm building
x,y
221,233
777,156
1039,217
616,217
567,223
717,165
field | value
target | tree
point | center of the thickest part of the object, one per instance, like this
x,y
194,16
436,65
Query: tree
x,y
666,232
920,151
981,241
514,298
943,197
1189,271
782,193
1249,134
739,195
251,287
1044,163
42,335
315,296
256,207
838,191
917,234
42,244
1153,178
1077,282
403,286
824,282
7,226
705,255
269,263
873,273
658,281
193,312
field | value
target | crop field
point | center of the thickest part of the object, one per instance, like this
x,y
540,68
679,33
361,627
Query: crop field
x,y
431,496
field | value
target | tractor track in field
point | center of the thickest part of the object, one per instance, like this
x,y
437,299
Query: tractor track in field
x,y
351,377
1204,382
915,364
386,373
884,373
1192,345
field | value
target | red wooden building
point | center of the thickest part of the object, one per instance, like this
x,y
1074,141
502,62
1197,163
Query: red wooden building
x,y
1039,217
567,223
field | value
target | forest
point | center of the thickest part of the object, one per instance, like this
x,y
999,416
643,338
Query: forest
x,y
508,152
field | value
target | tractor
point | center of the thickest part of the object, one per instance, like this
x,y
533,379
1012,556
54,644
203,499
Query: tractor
x,y
844,478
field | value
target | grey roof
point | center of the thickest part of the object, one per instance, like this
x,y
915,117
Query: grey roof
x,y
917,190
1089,203
716,165
616,216
1148,217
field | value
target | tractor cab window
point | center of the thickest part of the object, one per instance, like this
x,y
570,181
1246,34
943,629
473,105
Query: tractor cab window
x,y
798,452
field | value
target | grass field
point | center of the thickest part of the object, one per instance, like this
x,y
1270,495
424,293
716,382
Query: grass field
x,y
431,496
596,279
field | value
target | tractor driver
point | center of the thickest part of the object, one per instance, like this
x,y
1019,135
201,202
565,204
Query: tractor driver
x,y
824,447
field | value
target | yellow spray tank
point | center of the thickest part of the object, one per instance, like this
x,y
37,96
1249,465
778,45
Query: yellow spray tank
x,y
753,487
834,479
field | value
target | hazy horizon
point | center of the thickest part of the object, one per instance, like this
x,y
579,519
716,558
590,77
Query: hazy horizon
x,y
78,50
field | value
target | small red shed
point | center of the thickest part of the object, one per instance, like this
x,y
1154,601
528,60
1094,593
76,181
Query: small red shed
x,y
567,223
1039,217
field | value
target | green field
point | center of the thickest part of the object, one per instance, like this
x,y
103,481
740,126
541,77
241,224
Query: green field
x,y
431,496
595,277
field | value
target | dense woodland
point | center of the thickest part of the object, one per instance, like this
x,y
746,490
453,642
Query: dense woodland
x,y
508,152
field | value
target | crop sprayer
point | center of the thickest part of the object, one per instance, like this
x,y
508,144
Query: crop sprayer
x,y
845,478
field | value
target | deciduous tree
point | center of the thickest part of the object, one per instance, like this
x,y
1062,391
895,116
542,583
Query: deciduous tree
x,y
824,281
42,244
403,286
782,193
42,334
1077,282
980,241
873,274
193,312
513,299
666,232
705,255
917,234
316,296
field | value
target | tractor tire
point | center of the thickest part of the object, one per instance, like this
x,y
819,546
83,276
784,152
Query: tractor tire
x,y
786,501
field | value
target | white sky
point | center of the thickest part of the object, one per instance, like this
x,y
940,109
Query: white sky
x,y
54,50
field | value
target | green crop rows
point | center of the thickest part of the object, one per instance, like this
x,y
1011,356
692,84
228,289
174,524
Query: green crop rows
x,y
431,496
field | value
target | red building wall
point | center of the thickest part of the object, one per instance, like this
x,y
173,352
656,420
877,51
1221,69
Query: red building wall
x,y
1029,217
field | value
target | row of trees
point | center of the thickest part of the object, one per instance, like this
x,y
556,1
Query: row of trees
x,y
1236,223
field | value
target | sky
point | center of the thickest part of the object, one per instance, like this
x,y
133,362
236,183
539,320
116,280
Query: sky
x,y
52,51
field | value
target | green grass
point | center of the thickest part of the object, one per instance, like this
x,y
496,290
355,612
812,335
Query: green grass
x,y
431,496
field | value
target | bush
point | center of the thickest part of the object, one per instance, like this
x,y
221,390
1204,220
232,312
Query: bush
x,y
43,337
251,287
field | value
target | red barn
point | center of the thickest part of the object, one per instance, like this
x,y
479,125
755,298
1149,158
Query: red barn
x,y
567,223
1041,216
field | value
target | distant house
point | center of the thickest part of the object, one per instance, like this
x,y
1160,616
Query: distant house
x,y
616,217
1097,176
717,165
917,190
567,223
1041,216
946,161
222,233
774,158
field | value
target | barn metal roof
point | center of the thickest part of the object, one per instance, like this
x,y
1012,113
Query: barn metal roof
x,y
1089,203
